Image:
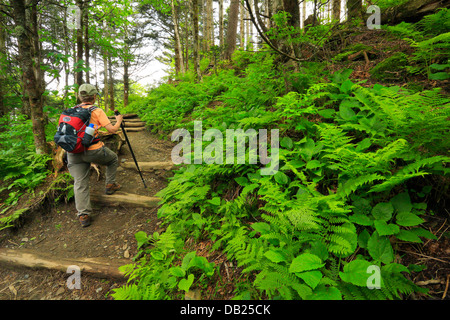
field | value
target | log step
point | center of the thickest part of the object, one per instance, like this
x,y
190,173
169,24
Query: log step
x,y
134,129
103,268
128,120
126,116
128,199
132,124
146,166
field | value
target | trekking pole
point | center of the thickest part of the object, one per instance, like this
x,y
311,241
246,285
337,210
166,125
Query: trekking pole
x,y
116,112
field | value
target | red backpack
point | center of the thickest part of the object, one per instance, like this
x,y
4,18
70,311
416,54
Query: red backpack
x,y
70,134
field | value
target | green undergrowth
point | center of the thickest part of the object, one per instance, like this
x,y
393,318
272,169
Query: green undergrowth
x,y
357,169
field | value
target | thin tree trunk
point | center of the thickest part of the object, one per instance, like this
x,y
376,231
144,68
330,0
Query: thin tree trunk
x,y
209,25
304,12
111,85
2,66
232,28
354,8
126,64
241,27
248,26
79,58
86,43
196,38
67,53
29,61
186,43
178,49
336,9
221,23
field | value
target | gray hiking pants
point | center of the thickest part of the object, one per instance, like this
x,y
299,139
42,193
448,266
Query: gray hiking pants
x,y
79,165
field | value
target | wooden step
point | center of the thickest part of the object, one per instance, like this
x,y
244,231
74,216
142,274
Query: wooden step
x,y
126,116
103,268
134,129
125,199
133,124
128,120
146,166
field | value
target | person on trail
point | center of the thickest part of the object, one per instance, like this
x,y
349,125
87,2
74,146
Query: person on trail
x,y
79,163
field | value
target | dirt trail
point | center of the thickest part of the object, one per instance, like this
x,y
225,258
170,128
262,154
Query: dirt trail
x,y
57,233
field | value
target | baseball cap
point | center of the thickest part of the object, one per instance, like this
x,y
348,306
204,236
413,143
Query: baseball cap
x,y
87,90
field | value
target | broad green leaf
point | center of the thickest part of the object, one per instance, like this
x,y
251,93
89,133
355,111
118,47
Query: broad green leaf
x,y
305,262
158,255
215,201
394,268
408,219
313,164
242,181
177,272
276,255
323,292
424,233
355,272
326,113
363,239
346,86
185,284
361,219
286,142
311,278
402,203
407,235
383,211
346,112
380,248
319,249
302,289
261,227
281,178
385,229
141,238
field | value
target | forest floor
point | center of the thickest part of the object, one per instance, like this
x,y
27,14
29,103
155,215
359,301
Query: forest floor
x,y
57,233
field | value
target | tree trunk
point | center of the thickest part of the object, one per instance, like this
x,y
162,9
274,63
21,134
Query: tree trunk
x,y
241,27
67,53
186,43
412,11
179,64
29,61
336,10
248,28
112,105
86,43
2,67
232,28
304,13
126,64
126,83
105,71
209,25
196,44
79,57
221,23
354,8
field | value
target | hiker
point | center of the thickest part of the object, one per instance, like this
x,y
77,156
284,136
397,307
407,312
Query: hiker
x,y
79,163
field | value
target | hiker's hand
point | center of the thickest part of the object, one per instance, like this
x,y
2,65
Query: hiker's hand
x,y
119,118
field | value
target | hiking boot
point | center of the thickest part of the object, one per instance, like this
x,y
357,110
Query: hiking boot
x,y
112,187
85,220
